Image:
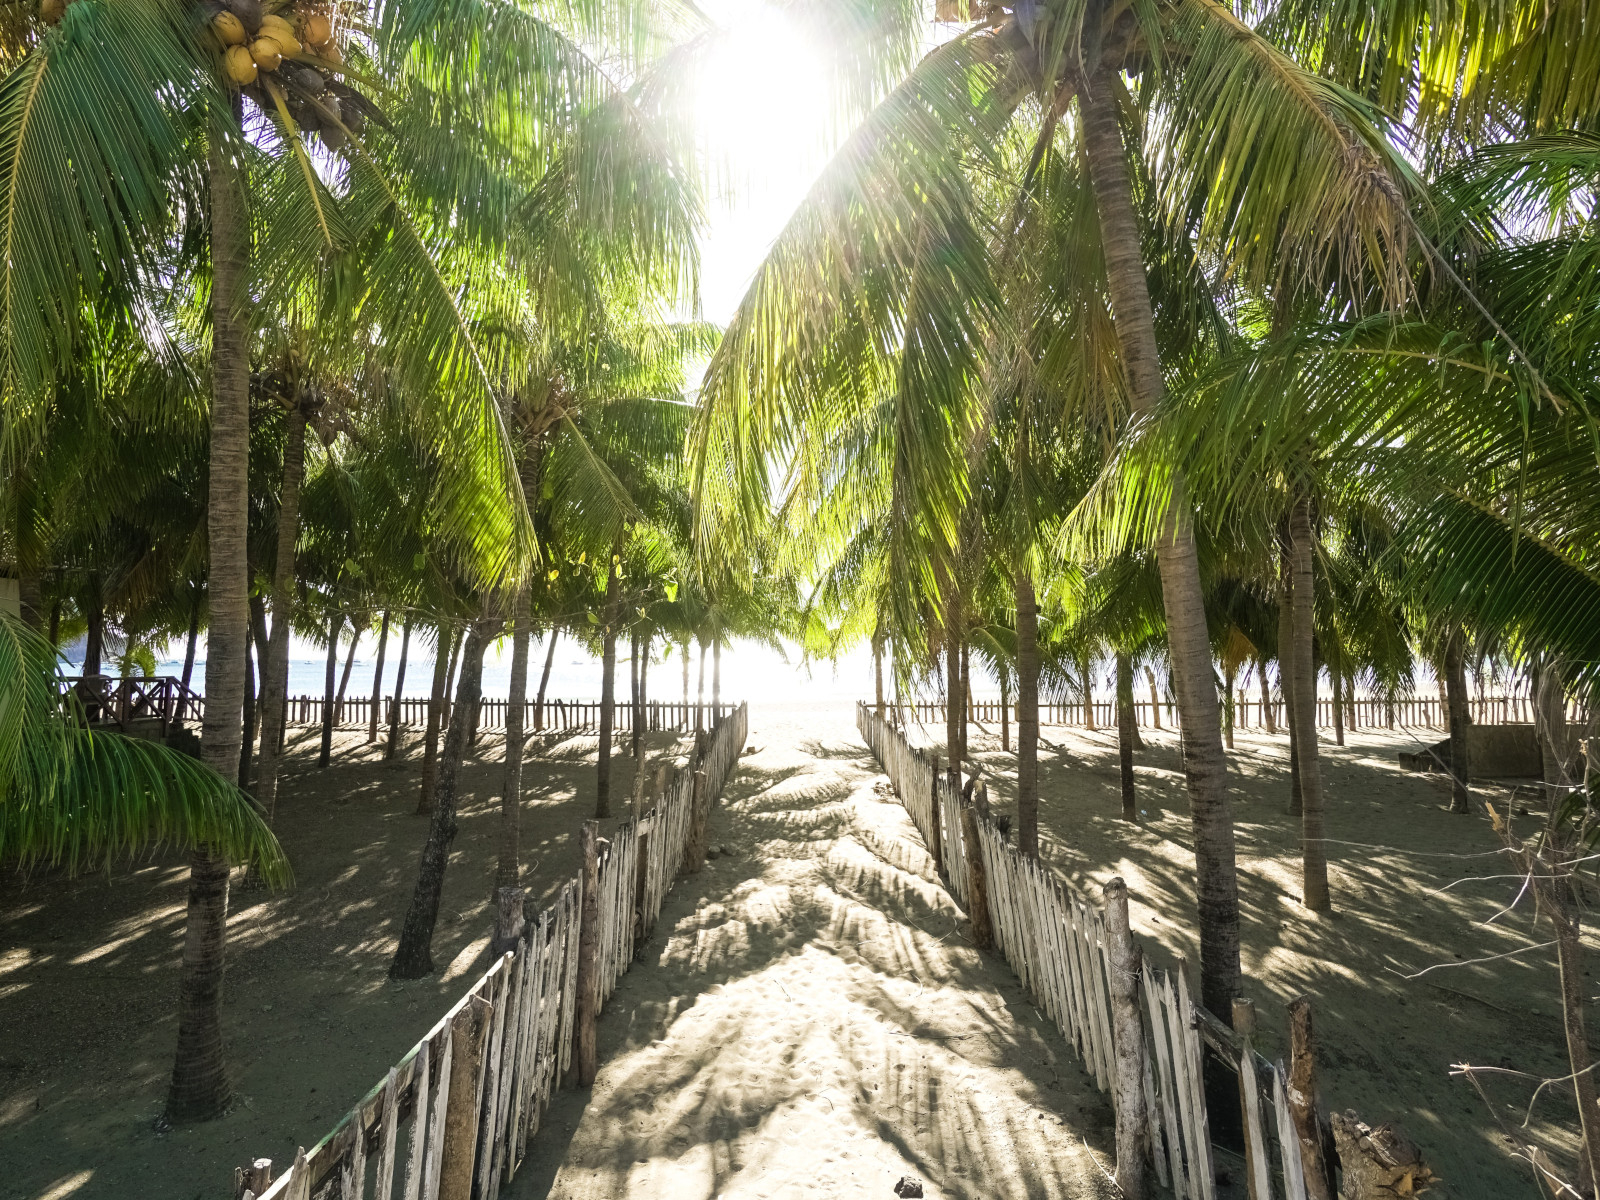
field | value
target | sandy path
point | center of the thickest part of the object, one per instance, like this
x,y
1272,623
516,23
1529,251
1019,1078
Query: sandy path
x,y
809,1018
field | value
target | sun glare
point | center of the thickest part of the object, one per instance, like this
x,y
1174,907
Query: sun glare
x,y
761,99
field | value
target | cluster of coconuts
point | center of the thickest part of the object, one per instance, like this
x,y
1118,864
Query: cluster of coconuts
x,y
288,56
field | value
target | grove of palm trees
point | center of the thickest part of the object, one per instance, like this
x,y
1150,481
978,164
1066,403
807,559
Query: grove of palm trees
x,y
424,425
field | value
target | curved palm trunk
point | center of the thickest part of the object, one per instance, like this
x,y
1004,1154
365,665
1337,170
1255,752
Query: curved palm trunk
x,y
1204,763
1027,716
509,871
413,957
275,669
377,680
392,749
1456,704
608,691
356,626
450,680
189,647
544,679
442,652
199,1087
1313,846
1125,732
325,753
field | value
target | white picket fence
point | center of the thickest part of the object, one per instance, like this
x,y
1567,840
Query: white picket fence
x,y
1055,941
530,994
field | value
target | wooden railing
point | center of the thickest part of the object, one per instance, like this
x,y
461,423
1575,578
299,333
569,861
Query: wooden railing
x,y
122,700
471,1093
1363,713
556,715
1062,949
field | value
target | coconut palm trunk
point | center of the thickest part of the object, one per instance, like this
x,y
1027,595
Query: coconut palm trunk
x,y
189,649
1337,671
608,687
955,702
377,680
1312,837
1286,675
1460,714
392,750
1230,676
413,957
356,626
1005,713
275,671
430,747
248,725
456,642
1027,715
509,870
544,679
700,693
199,1088
686,675
966,697
1125,732
634,730
716,679
1267,717
325,753
1204,762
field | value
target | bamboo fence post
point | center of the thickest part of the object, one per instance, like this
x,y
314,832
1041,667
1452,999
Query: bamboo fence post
x,y
1257,1176
934,845
459,1146
588,955
977,887
1303,1105
694,852
252,1181
1128,1033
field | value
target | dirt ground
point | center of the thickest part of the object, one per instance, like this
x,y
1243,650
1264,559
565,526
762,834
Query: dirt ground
x,y
1398,1000
89,973
808,1019
811,1020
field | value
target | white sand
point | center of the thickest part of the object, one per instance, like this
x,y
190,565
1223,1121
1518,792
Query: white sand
x,y
810,1020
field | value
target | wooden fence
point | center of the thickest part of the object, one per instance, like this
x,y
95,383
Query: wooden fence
x,y
1365,713
558,715
1057,943
471,1093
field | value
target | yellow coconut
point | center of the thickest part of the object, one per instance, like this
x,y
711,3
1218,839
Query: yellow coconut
x,y
331,53
274,26
317,29
287,45
266,53
51,11
229,28
241,67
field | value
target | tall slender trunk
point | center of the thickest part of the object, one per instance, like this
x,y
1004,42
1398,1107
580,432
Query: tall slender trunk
x,y
1338,701
1455,685
509,870
877,676
442,648
199,1077
1204,763
1352,715
1005,713
275,670
456,642
325,754
966,698
644,680
1313,846
544,679
396,706
356,626
1027,715
54,633
94,651
1155,698
1286,676
1267,718
1125,732
1086,673
413,957
1550,726
686,674
189,649
716,678
700,693
1230,673
608,687
955,708
377,679
247,740
635,733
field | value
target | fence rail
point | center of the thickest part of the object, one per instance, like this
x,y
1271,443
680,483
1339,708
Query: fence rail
x,y
472,1092
1365,713
1058,944
660,716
